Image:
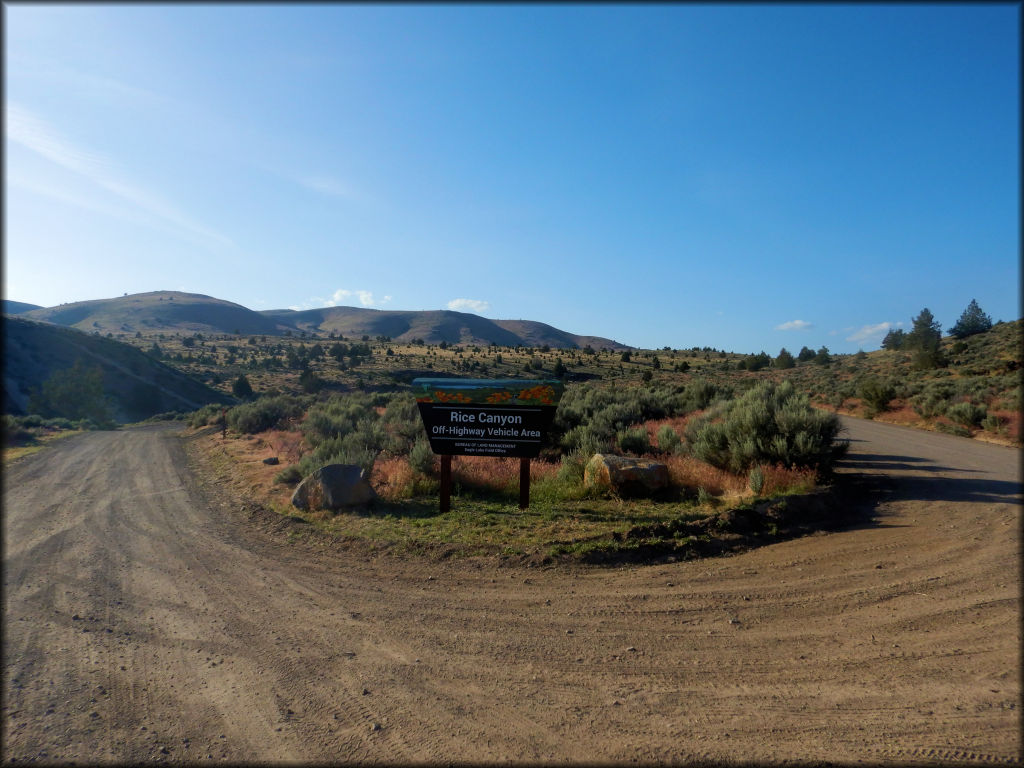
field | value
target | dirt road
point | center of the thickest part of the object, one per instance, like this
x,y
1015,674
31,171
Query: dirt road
x,y
144,621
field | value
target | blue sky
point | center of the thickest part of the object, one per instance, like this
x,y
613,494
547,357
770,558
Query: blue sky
x,y
746,177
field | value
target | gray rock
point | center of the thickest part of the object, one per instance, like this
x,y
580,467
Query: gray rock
x,y
334,487
624,475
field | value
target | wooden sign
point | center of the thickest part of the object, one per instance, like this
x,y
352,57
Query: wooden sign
x,y
487,417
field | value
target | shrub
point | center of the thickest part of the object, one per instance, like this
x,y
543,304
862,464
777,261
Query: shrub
x,y
756,480
74,393
15,432
668,439
289,475
634,440
265,413
967,414
421,458
931,403
208,414
952,429
876,395
769,424
992,423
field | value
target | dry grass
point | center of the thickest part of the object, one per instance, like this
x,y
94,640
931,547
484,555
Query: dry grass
x,y
392,478
285,444
494,474
779,479
678,424
688,472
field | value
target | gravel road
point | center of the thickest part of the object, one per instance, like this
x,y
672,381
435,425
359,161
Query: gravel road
x,y
148,619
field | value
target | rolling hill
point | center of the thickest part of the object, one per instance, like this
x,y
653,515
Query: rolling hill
x,y
138,386
174,311
156,311
18,307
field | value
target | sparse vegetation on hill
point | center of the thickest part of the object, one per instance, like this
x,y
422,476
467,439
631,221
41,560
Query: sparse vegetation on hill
x,y
54,371
178,312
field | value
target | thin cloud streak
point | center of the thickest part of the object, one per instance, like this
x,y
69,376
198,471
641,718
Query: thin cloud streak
x,y
36,135
366,298
327,185
469,305
795,325
869,332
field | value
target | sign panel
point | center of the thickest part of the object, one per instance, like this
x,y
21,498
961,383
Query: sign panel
x,y
487,417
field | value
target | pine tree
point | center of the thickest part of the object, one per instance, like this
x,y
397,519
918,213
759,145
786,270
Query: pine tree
x,y
242,389
784,360
806,354
923,340
894,339
972,321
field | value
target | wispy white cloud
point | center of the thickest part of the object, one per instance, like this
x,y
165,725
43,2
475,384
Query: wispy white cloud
x,y
67,196
794,325
36,135
327,185
366,298
469,305
870,332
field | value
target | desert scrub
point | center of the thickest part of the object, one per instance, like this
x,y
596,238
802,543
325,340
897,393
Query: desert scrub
x,y
633,440
338,416
289,475
266,413
668,439
756,480
603,411
769,424
208,414
876,395
966,414
421,458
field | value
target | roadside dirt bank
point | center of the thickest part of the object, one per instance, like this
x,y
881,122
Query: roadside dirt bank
x,y
148,618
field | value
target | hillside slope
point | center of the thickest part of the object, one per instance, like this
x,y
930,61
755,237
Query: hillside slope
x,y
137,385
174,311
157,311
18,307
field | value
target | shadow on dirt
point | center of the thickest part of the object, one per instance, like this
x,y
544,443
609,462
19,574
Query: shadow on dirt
x,y
941,485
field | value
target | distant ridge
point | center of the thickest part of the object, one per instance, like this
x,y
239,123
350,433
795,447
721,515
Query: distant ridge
x,y
18,307
178,312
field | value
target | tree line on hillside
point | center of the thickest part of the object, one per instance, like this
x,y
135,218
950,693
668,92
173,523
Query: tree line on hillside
x,y
926,334
923,341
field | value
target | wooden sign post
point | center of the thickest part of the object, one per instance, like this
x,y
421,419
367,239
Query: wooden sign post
x,y
487,417
446,483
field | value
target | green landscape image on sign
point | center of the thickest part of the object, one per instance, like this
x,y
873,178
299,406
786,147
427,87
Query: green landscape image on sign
x,y
488,391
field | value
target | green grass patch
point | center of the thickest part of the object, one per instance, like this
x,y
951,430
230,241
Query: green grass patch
x,y
479,526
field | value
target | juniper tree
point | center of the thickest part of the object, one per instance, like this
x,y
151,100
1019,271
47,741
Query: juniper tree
x,y
784,360
894,339
241,388
972,321
924,339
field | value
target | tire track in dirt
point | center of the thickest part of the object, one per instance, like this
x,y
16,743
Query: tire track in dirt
x,y
211,632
